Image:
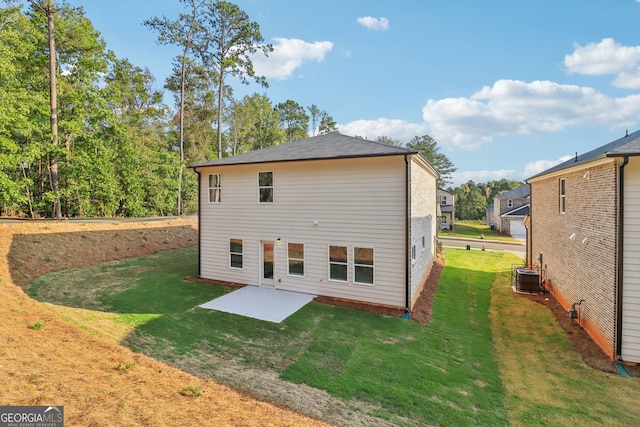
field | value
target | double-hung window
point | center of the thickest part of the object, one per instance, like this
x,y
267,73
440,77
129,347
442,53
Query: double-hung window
x,y
363,265
563,193
265,187
215,188
296,259
338,263
235,253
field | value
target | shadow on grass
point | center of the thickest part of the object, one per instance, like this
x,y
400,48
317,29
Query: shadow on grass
x,y
442,373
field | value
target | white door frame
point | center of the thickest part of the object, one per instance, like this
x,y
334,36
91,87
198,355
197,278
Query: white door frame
x,y
267,263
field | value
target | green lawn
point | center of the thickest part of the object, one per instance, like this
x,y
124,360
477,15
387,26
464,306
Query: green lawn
x,y
475,230
479,362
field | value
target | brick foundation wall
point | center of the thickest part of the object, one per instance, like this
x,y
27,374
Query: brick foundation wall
x,y
579,247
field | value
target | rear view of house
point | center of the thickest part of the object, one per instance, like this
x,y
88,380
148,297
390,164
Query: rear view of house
x,y
585,235
330,215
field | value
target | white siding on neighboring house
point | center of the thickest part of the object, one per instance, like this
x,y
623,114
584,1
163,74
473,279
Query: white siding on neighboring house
x,y
631,267
423,223
357,203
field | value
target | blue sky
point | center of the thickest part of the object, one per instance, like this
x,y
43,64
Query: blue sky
x,y
507,88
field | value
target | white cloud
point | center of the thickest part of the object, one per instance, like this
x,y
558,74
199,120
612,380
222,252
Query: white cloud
x,y
607,57
288,55
512,107
530,169
392,128
534,168
378,24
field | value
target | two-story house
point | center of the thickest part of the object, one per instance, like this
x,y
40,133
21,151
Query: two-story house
x,y
509,210
329,215
585,235
446,206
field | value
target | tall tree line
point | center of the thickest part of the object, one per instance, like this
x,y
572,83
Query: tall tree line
x,y
472,199
84,133
118,149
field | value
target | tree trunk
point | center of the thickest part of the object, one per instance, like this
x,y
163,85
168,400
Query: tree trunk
x,y
53,161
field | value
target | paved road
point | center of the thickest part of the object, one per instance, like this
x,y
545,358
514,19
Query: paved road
x,y
490,245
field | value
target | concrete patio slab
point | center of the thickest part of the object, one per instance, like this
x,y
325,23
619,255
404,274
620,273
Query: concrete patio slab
x,y
271,305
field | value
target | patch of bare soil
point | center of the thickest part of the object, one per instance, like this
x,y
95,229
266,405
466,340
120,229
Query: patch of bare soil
x,y
591,354
45,361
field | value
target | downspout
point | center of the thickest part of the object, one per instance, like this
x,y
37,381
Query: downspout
x,y
619,283
530,231
407,246
199,221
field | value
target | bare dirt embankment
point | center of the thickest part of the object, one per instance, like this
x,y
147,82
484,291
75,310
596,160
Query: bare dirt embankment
x,y
100,383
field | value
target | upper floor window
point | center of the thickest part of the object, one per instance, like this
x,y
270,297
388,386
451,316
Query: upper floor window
x,y
443,200
509,203
563,193
215,188
265,187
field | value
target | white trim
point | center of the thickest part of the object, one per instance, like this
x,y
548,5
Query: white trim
x,y
298,259
372,266
272,186
337,263
218,187
236,253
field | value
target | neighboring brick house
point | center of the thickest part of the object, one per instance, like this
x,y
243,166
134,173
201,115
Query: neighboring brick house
x,y
446,209
509,210
584,232
330,215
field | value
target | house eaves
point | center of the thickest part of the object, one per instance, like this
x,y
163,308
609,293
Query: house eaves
x,y
520,211
628,145
323,147
522,192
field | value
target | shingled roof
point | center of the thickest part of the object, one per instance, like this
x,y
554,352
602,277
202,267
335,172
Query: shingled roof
x,y
522,192
628,145
327,146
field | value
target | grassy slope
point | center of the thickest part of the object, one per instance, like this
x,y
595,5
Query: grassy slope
x,y
545,379
442,373
60,364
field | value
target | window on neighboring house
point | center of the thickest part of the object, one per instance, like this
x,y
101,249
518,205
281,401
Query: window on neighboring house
x,y
235,253
265,187
338,263
443,200
215,188
414,256
563,189
363,265
296,259
509,203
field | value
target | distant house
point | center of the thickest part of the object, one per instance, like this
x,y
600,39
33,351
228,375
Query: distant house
x,y
509,210
446,205
585,234
330,215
